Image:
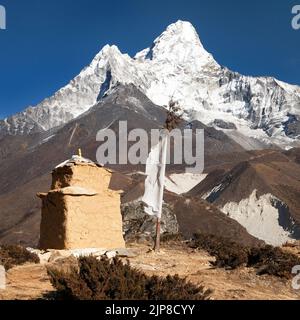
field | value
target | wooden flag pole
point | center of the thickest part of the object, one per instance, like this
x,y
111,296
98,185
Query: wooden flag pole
x,y
157,238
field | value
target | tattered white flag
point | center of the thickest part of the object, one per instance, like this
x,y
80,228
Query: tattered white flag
x,y
155,172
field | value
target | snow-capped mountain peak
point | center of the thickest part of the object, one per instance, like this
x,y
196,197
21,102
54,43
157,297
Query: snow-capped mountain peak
x,y
179,43
176,66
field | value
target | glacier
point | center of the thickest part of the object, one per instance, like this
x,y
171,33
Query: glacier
x,y
176,67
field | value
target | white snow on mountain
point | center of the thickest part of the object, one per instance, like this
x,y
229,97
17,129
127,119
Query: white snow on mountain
x,y
183,182
261,217
176,67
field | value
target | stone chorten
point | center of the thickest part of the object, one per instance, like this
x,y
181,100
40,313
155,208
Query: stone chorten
x,y
80,211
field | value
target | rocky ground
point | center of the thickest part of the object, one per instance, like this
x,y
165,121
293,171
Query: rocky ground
x,y
31,282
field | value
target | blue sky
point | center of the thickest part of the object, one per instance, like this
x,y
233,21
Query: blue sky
x,y
48,42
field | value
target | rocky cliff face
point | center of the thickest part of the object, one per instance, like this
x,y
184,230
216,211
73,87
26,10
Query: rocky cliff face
x,y
176,66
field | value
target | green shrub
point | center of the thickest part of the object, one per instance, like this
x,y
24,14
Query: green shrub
x,y
228,254
272,261
114,280
266,259
11,256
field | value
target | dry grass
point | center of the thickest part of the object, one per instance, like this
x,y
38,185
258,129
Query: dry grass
x,y
31,281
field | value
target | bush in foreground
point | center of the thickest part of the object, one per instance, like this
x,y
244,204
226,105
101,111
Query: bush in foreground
x,y
11,256
114,280
272,261
228,254
266,259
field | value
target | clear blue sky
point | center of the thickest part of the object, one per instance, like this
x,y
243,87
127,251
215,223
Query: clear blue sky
x,y
48,42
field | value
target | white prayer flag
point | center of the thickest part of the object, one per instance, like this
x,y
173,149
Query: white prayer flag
x,y
155,172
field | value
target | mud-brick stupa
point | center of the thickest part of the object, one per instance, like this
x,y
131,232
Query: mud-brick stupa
x,y
80,211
